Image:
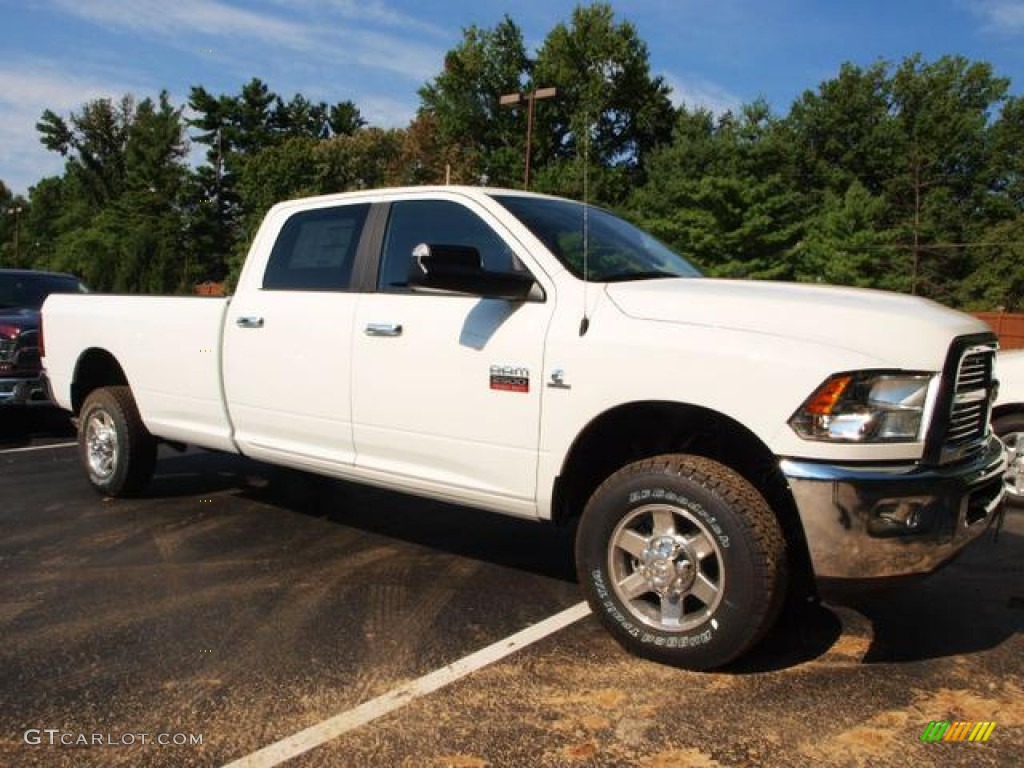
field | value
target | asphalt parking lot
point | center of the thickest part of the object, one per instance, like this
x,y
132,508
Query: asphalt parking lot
x,y
242,605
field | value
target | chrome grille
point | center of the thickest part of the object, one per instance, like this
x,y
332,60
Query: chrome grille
x,y
26,354
969,414
7,350
975,370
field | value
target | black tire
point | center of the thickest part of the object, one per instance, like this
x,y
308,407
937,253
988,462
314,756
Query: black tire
x,y
688,523
1010,429
117,451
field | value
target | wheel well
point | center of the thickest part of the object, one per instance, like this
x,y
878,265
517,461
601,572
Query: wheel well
x,y
96,368
638,431
1005,410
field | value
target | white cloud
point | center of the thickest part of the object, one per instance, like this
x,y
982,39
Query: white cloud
x,y
201,20
695,92
386,113
197,24
26,89
372,11
1003,17
377,51
353,48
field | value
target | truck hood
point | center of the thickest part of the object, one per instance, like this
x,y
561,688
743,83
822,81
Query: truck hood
x,y
896,330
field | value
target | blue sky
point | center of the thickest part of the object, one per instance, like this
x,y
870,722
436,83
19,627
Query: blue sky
x,y
58,54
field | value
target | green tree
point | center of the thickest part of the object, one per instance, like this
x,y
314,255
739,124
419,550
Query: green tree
x,y
303,166
1006,160
428,159
845,131
996,277
846,243
14,210
463,102
94,142
609,106
920,136
722,195
943,110
116,213
149,214
236,128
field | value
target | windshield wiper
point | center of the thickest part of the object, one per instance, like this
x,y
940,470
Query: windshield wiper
x,y
652,274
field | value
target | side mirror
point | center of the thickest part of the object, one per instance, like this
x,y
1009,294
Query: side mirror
x,y
458,269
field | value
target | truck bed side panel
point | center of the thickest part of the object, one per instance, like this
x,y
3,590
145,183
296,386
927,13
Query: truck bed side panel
x,y
168,347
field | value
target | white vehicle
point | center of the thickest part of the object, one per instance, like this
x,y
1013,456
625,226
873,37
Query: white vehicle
x,y
1008,421
718,440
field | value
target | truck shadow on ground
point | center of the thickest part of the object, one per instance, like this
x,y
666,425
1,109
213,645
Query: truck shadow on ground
x,y
975,604
20,426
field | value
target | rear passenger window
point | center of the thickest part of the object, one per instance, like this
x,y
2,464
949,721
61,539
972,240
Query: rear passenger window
x,y
315,250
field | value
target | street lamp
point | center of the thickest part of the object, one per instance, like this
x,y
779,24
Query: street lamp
x,y
515,99
16,213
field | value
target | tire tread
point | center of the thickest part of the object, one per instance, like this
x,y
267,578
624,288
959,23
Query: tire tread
x,y
770,561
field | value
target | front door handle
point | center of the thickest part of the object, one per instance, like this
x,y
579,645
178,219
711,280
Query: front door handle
x,y
384,329
250,321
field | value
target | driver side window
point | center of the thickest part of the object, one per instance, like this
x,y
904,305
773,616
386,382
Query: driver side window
x,y
437,222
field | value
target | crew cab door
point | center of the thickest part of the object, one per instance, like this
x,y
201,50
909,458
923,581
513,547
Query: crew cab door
x,y
287,346
446,389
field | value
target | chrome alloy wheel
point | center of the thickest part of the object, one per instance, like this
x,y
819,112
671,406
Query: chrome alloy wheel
x,y
666,567
101,444
1013,478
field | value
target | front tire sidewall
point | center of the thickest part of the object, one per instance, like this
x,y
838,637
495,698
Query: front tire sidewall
x,y
1011,424
741,615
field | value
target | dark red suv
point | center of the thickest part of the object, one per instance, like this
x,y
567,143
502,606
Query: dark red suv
x,y
22,293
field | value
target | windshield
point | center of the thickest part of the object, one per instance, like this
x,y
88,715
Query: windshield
x,y
617,250
27,290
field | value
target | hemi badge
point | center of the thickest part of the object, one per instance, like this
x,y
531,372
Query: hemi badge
x,y
558,380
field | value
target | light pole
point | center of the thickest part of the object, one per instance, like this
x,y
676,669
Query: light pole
x,y
515,99
16,213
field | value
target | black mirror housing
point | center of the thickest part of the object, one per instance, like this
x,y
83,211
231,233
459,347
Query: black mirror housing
x,y
459,269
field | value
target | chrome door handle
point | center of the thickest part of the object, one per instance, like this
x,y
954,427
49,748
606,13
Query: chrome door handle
x,y
383,329
249,322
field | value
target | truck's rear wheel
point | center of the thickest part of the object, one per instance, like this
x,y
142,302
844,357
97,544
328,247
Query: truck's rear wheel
x,y
117,451
682,560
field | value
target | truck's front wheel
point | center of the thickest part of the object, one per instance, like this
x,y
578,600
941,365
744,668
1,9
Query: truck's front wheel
x,y
1010,429
117,451
682,560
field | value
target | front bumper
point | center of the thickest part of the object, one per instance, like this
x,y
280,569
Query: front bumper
x,y
24,391
876,523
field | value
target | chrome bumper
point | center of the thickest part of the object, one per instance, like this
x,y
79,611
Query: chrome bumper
x,y
24,391
882,522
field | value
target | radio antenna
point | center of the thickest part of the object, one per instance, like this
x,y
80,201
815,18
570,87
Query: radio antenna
x,y
585,321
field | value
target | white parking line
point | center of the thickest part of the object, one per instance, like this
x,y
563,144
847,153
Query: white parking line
x,y
332,728
38,448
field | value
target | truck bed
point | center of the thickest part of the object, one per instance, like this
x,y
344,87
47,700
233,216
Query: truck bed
x,y
169,349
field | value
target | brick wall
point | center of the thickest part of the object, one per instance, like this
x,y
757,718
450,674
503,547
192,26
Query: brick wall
x,y
210,288
1008,326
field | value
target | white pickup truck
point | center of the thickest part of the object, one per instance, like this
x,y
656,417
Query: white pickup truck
x,y
717,440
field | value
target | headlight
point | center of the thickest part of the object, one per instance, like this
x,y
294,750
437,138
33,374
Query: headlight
x,y
865,407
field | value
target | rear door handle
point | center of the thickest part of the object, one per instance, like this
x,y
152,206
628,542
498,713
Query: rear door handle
x,y
249,321
383,329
